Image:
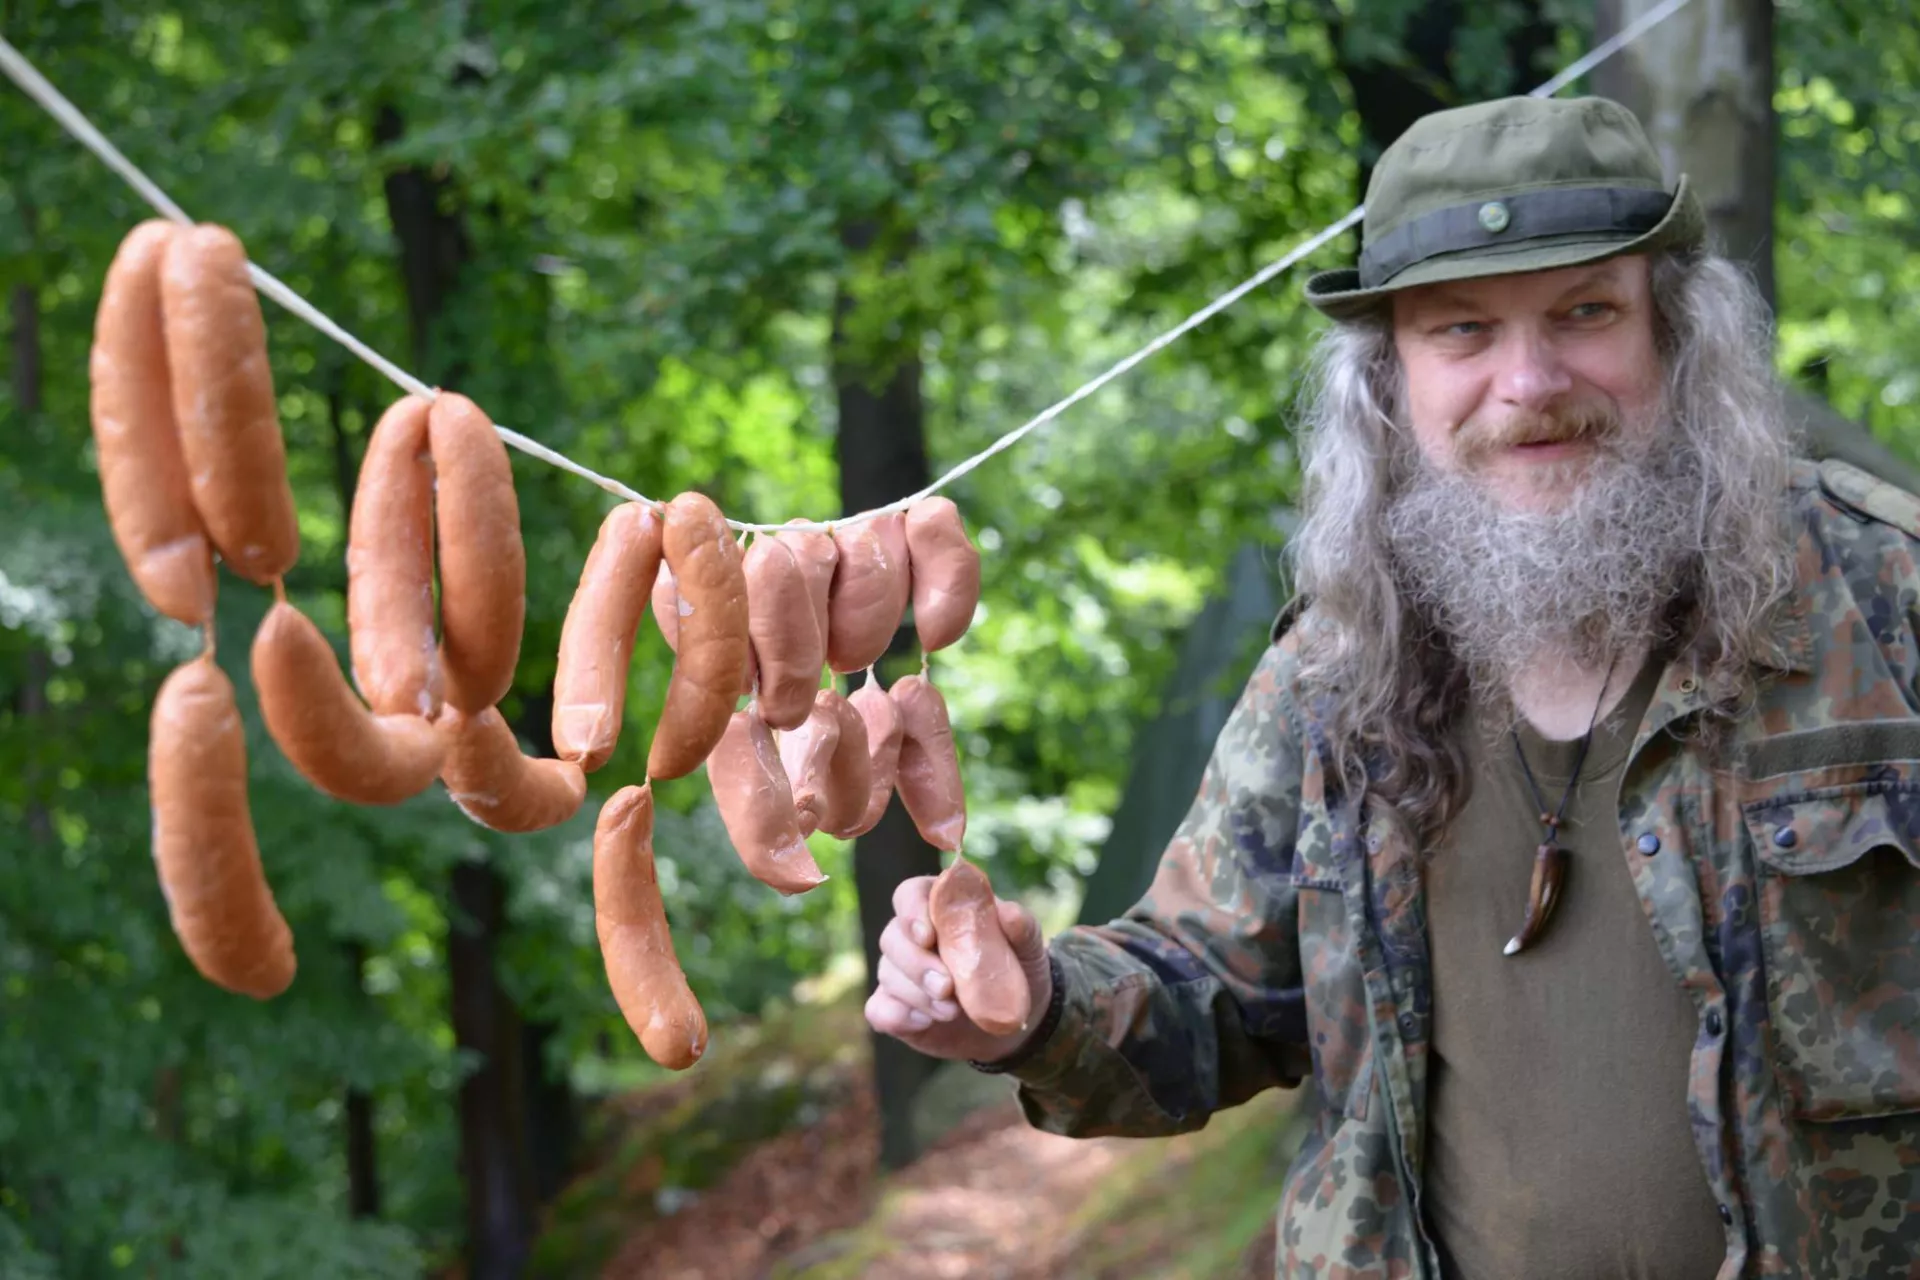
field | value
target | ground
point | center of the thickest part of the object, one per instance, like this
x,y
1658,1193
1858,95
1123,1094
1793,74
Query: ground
x,y
991,1198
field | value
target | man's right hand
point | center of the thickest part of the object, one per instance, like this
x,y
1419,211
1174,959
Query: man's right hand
x,y
914,999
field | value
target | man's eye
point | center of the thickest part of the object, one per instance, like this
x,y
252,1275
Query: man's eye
x,y
1463,328
1592,311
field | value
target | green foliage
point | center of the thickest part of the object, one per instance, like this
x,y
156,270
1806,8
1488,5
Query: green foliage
x,y
658,206
1848,221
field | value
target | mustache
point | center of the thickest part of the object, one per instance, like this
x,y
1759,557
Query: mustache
x,y
1479,437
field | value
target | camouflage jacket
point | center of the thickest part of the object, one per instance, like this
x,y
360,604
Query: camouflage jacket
x,y
1284,938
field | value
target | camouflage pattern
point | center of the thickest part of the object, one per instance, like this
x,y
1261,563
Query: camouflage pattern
x,y
1284,938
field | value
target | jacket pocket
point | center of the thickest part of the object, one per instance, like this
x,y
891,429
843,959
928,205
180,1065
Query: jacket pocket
x,y
1838,892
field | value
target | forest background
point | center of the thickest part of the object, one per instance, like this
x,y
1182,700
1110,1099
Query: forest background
x,y
802,255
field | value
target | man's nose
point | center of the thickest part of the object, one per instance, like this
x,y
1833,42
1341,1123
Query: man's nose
x,y
1531,373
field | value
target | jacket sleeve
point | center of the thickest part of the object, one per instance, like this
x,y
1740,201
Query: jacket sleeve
x,y
1192,1000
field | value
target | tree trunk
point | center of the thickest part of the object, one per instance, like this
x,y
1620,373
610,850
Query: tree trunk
x,y
548,1111
363,1149
552,1120
495,1173
27,387
363,1152
434,250
346,467
493,1156
30,697
882,453
26,349
363,1157
1702,84
168,1085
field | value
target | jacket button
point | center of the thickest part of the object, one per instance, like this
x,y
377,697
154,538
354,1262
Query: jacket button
x,y
1726,1216
1408,1025
1714,1025
1649,843
1785,837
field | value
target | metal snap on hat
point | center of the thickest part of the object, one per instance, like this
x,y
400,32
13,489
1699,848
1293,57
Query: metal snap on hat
x,y
1512,185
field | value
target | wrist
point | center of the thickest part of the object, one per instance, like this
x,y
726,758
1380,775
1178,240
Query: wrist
x,y
1032,1041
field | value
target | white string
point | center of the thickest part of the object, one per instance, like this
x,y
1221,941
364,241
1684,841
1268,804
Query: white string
x,y
36,87
293,302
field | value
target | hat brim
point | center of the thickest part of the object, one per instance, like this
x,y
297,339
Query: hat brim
x,y
1338,294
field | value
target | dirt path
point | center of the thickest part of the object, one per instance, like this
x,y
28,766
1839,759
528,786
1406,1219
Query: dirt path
x,y
993,1200
785,1193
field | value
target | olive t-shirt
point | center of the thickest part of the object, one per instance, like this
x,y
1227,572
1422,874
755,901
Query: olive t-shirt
x,y
1558,1141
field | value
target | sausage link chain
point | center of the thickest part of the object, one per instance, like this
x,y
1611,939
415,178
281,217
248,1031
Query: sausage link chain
x,y
434,502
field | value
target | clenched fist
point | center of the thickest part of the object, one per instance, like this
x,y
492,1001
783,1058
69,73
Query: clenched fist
x,y
914,999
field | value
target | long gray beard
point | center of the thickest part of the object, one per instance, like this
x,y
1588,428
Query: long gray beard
x,y
1590,582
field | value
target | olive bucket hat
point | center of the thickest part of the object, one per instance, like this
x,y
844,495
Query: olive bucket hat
x,y
1511,185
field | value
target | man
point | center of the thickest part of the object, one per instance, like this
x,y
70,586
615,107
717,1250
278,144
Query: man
x,y
1568,834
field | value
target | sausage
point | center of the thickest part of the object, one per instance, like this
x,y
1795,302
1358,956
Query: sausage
x,y
882,720
988,981
498,786
710,669
866,601
756,805
816,555
788,648
929,777
223,402
143,474
806,754
635,944
483,566
666,607
945,569
850,771
752,681
204,846
596,640
892,528
396,665
321,728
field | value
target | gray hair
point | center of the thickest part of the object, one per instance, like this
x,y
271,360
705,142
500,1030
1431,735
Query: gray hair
x,y
1382,665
